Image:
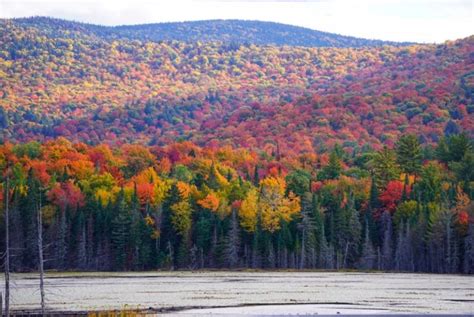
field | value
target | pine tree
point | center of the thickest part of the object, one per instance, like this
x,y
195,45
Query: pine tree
x,y
400,249
387,256
350,233
307,228
121,225
409,154
28,209
368,258
233,242
203,234
333,169
326,252
81,257
169,240
61,242
372,207
256,177
468,263
182,258
256,258
385,167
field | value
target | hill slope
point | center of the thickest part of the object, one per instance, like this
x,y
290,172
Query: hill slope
x,y
228,31
94,90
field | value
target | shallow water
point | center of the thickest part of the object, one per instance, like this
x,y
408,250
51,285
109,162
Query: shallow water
x,y
249,292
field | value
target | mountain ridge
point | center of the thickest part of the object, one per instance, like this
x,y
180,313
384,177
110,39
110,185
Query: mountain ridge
x,y
221,30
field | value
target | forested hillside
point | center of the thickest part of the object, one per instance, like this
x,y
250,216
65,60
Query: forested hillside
x,y
183,206
85,88
142,154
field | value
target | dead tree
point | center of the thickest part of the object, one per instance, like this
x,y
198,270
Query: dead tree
x,y
40,254
7,248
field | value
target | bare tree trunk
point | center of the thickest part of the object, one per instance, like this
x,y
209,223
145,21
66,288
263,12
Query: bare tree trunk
x,y
40,255
303,250
7,249
345,255
170,254
449,260
379,260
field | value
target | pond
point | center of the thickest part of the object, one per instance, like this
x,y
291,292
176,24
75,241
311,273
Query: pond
x,y
261,292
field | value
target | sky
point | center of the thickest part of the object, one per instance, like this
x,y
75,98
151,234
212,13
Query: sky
x,y
424,21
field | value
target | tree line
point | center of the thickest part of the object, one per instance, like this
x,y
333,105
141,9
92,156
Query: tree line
x,y
182,206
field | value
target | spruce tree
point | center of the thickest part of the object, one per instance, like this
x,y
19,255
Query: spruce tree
x,y
307,228
387,255
409,154
368,258
121,225
233,242
468,263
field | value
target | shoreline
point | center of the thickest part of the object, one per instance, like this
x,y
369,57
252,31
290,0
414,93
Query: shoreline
x,y
243,292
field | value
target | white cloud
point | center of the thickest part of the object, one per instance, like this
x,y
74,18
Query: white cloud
x,y
399,20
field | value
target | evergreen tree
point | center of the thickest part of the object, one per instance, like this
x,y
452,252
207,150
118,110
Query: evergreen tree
x,y
368,258
403,251
298,182
464,171
233,242
387,255
372,207
333,169
468,263
81,257
121,225
28,209
352,234
385,167
307,228
169,240
203,235
409,154
454,147
256,257
256,177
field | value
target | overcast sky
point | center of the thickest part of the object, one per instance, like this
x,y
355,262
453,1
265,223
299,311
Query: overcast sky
x,y
397,20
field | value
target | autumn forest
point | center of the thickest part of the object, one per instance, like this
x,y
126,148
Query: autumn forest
x,y
141,152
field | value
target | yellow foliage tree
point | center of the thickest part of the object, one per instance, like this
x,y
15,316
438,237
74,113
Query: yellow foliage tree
x,y
273,204
181,217
248,211
105,196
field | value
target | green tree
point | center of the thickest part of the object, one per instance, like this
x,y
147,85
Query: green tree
x,y
409,154
384,166
454,147
298,182
429,186
464,171
121,225
333,169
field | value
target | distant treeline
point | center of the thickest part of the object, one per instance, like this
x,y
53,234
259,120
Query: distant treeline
x,y
186,207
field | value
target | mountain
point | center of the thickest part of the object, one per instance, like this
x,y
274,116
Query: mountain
x,y
66,80
228,31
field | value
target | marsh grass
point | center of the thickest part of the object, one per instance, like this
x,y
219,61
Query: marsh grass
x,y
125,311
